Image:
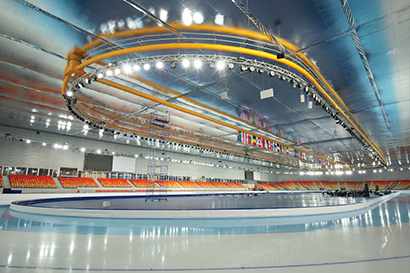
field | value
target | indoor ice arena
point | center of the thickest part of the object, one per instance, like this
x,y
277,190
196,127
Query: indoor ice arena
x,y
204,136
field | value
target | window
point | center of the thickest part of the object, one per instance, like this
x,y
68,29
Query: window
x,y
32,171
43,172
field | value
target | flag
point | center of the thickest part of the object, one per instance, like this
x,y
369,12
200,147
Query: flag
x,y
270,145
259,142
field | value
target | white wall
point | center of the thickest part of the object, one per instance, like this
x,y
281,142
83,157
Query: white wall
x,y
16,153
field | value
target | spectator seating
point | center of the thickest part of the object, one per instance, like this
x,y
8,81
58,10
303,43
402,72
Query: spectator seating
x,y
350,185
219,184
74,182
382,184
204,184
371,184
113,190
308,185
298,185
289,186
278,185
385,185
393,184
267,186
358,185
330,185
234,185
403,185
114,182
168,183
334,185
319,185
140,183
31,181
188,184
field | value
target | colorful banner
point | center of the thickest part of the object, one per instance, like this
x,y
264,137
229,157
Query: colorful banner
x,y
262,122
276,147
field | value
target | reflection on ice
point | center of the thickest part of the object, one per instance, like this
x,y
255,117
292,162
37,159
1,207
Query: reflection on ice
x,y
392,212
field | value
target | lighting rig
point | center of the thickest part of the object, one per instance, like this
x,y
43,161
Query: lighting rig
x,y
196,61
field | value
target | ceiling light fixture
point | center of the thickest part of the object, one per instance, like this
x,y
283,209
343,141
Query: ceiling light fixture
x,y
109,72
197,63
198,18
185,63
159,65
186,17
220,64
136,67
127,68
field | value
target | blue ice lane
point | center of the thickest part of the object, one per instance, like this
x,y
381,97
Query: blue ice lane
x,y
395,211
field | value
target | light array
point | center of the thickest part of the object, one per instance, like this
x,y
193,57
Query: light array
x,y
197,61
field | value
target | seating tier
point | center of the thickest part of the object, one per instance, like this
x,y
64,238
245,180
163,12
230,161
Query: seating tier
x,y
114,182
31,181
74,182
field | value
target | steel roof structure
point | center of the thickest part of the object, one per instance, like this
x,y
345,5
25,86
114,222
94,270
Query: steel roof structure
x,y
313,84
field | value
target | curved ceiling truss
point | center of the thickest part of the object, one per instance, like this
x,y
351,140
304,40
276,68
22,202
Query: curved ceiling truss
x,y
88,64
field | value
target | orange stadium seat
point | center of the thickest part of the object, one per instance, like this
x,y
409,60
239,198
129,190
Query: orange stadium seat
x,y
393,184
350,185
113,190
358,185
140,183
204,184
188,184
403,185
330,185
168,183
235,185
308,185
219,184
278,185
289,186
114,182
31,181
74,182
319,185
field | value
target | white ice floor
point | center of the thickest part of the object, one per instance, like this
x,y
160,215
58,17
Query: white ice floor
x,y
384,248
